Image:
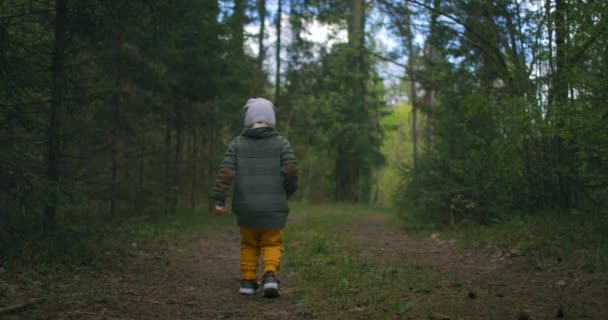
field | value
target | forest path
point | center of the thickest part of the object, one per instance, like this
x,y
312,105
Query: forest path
x,y
330,271
482,282
198,281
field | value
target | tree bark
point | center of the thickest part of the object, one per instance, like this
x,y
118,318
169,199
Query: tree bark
x,y
211,150
239,18
433,61
140,180
261,35
349,170
377,192
57,93
114,143
175,191
277,81
561,33
560,87
412,76
167,167
194,170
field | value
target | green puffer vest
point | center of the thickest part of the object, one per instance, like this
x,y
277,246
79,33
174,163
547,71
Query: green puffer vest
x,y
259,199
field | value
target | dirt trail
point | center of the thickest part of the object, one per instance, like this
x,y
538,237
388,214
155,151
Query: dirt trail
x,y
484,283
200,281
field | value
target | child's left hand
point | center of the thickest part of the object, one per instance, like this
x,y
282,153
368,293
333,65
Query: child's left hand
x,y
220,210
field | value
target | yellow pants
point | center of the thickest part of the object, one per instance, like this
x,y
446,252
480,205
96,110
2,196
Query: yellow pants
x,y
254,242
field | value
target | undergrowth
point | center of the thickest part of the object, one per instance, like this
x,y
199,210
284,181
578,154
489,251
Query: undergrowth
x,y
91,241
577,239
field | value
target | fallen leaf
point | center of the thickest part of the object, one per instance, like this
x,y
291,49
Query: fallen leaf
x,y
357,309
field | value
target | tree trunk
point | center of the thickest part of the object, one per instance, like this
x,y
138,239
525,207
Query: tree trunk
x,y
433,62
239,18
175,192
561,33
261,50
560,87
57,92
194,170
348,166
277,81
377,192
114,143
412,76
347,176
356,40
140,180
352,177
167,167
211,165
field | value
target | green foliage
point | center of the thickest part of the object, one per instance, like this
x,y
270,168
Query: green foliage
x,y
512,115
473,171
344,133
147,95
151,94
87,240
503,141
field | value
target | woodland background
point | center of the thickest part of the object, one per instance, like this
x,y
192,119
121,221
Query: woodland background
x,y
114,110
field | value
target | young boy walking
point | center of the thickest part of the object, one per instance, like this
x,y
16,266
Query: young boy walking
x,y
265,171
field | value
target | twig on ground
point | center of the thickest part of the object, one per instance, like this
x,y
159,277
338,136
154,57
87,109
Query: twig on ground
x,y
185,303
21,306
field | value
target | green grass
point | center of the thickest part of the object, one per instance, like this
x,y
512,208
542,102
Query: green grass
x,y
577,239
336,276
83,240
67,265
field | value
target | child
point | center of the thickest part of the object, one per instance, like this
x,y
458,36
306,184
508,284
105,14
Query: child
x,y
266,173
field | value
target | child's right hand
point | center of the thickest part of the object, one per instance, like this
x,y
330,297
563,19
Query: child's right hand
x,y
220,210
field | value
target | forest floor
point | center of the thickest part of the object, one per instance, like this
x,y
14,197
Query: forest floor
x,y
341,262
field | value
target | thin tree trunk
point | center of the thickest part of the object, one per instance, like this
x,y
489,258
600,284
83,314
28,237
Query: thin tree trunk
x,y
433,62
377,193
412,76
239,18
550,46
561,34
194,170
210,163
114,133
277,84
262,14
175,192
560,86
167,167
429,123
57,93
140,180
